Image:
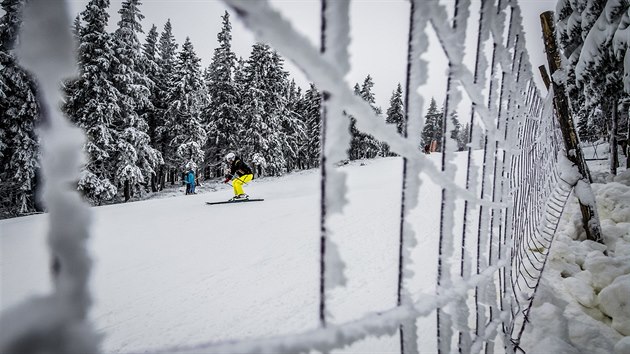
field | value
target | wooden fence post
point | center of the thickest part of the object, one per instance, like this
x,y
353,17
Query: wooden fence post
x,y
569,135
545,76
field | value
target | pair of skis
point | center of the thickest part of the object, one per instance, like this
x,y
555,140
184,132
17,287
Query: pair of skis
x,y
231,201
235,201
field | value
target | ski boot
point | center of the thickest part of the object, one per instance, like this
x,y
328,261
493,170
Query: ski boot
x,y
239,197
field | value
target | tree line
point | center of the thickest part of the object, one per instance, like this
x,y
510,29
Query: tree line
x,y
593,38
150,111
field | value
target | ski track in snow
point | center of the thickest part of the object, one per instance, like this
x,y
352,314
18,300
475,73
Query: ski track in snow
x,y
174,271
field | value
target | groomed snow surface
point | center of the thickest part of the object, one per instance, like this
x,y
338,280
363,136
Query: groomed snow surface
x,y
175,272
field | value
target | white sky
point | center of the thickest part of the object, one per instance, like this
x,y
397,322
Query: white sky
x,y
378,34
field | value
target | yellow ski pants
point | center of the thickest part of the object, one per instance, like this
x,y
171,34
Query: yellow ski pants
x,y
238,182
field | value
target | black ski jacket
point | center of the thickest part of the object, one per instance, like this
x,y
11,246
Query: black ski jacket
x,y
239,168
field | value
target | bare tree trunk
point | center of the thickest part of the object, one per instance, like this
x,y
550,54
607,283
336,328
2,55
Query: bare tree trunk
x,y
627,140
127,191
612,134
161,177
154,187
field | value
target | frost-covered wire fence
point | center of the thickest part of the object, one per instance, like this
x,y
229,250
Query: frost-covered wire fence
x,y
512,102
540,194
495,232
56,322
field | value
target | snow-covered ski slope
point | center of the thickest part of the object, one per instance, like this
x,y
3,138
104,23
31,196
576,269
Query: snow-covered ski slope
x,y
174,272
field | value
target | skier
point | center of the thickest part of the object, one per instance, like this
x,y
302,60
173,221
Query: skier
x,y
240,173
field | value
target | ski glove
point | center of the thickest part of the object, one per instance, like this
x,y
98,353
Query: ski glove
x,y
227,179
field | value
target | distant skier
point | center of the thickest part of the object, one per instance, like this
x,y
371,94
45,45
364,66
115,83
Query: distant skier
x,y
240,173
190,180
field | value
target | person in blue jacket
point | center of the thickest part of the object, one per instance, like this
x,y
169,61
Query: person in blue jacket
x,y
190,180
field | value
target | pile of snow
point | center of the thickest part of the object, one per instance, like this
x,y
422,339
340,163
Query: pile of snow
x,y
582,305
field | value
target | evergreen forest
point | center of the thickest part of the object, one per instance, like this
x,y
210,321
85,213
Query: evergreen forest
x,y
151,112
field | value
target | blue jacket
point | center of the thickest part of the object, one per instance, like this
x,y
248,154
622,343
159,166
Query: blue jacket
x,y
190,177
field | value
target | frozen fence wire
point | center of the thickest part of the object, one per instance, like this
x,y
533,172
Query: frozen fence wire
x,y
508,110
56,322
539,203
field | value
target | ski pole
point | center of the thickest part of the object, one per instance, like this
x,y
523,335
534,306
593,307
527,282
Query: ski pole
x,y
233,178
238,178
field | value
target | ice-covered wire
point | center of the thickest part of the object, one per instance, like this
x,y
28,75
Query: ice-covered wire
x,y
417,44
335,29
540,198
55,322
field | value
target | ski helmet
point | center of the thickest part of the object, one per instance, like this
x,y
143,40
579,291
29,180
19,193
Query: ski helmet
x,y
229,156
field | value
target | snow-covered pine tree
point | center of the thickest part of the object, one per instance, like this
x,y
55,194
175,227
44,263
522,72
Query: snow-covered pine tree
x,y
457,130
354,152
222,113
299,106
92,102
395,114
152,70
262,103
19,149
432,131
19,146
166,59
239,73
569,33
312,118
369,145
277,85
76,28
593,126
10,23
599,71
594,74
293,126
621,47
464,137
135,160
186,98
